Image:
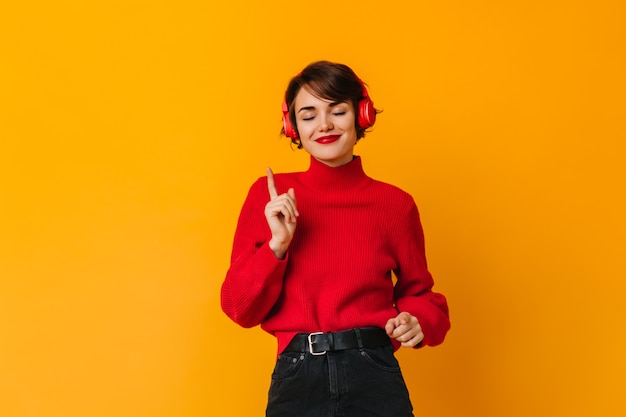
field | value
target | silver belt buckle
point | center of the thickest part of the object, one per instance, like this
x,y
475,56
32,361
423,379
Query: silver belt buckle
x,y
311,344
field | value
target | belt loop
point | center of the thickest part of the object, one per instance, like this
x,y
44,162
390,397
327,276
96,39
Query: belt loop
x,y
359,341
331,341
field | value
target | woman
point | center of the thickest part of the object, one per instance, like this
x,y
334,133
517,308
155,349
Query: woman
x,y
315,257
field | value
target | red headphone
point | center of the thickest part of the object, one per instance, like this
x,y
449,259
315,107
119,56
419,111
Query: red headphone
x,y
366,114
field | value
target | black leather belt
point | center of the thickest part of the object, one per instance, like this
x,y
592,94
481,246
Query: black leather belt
x,y
319,343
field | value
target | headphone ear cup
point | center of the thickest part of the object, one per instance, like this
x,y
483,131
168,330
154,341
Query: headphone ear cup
x,y
367,113
290,131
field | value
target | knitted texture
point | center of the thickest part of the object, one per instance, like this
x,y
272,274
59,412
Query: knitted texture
x,y
351,234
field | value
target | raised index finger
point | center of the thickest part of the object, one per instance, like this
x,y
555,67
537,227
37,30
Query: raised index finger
x,y
271,186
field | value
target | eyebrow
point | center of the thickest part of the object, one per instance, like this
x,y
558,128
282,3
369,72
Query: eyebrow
x,y
333,104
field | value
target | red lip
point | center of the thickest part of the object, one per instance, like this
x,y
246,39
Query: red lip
x,y
327,139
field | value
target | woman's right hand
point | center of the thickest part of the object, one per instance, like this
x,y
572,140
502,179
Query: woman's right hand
x,y
281,214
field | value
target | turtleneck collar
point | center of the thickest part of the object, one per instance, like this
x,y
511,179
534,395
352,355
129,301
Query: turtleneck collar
x,y
345,177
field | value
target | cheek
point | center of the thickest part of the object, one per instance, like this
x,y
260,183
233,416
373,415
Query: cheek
x,y
349,124
350,128
303,130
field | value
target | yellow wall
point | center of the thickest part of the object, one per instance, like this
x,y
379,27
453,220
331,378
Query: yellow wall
x,y
130,132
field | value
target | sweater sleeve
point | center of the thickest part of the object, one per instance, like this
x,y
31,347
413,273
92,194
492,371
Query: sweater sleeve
x,y
413,290
254,280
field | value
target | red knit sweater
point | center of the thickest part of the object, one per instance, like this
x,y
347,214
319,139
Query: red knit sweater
x,y
351,234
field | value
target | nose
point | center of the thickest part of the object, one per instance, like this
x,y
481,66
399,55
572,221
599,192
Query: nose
x,y
325,123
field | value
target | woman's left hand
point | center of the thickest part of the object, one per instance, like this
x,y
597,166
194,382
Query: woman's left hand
x,y
406,329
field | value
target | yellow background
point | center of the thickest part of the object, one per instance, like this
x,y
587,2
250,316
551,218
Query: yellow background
x,y
130,132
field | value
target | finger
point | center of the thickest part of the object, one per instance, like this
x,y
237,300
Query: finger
x,y
414,341
404,318
288,211
405,326
390,327
283,206
406,338
292,194
417,339
271,186
412,336
397,323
